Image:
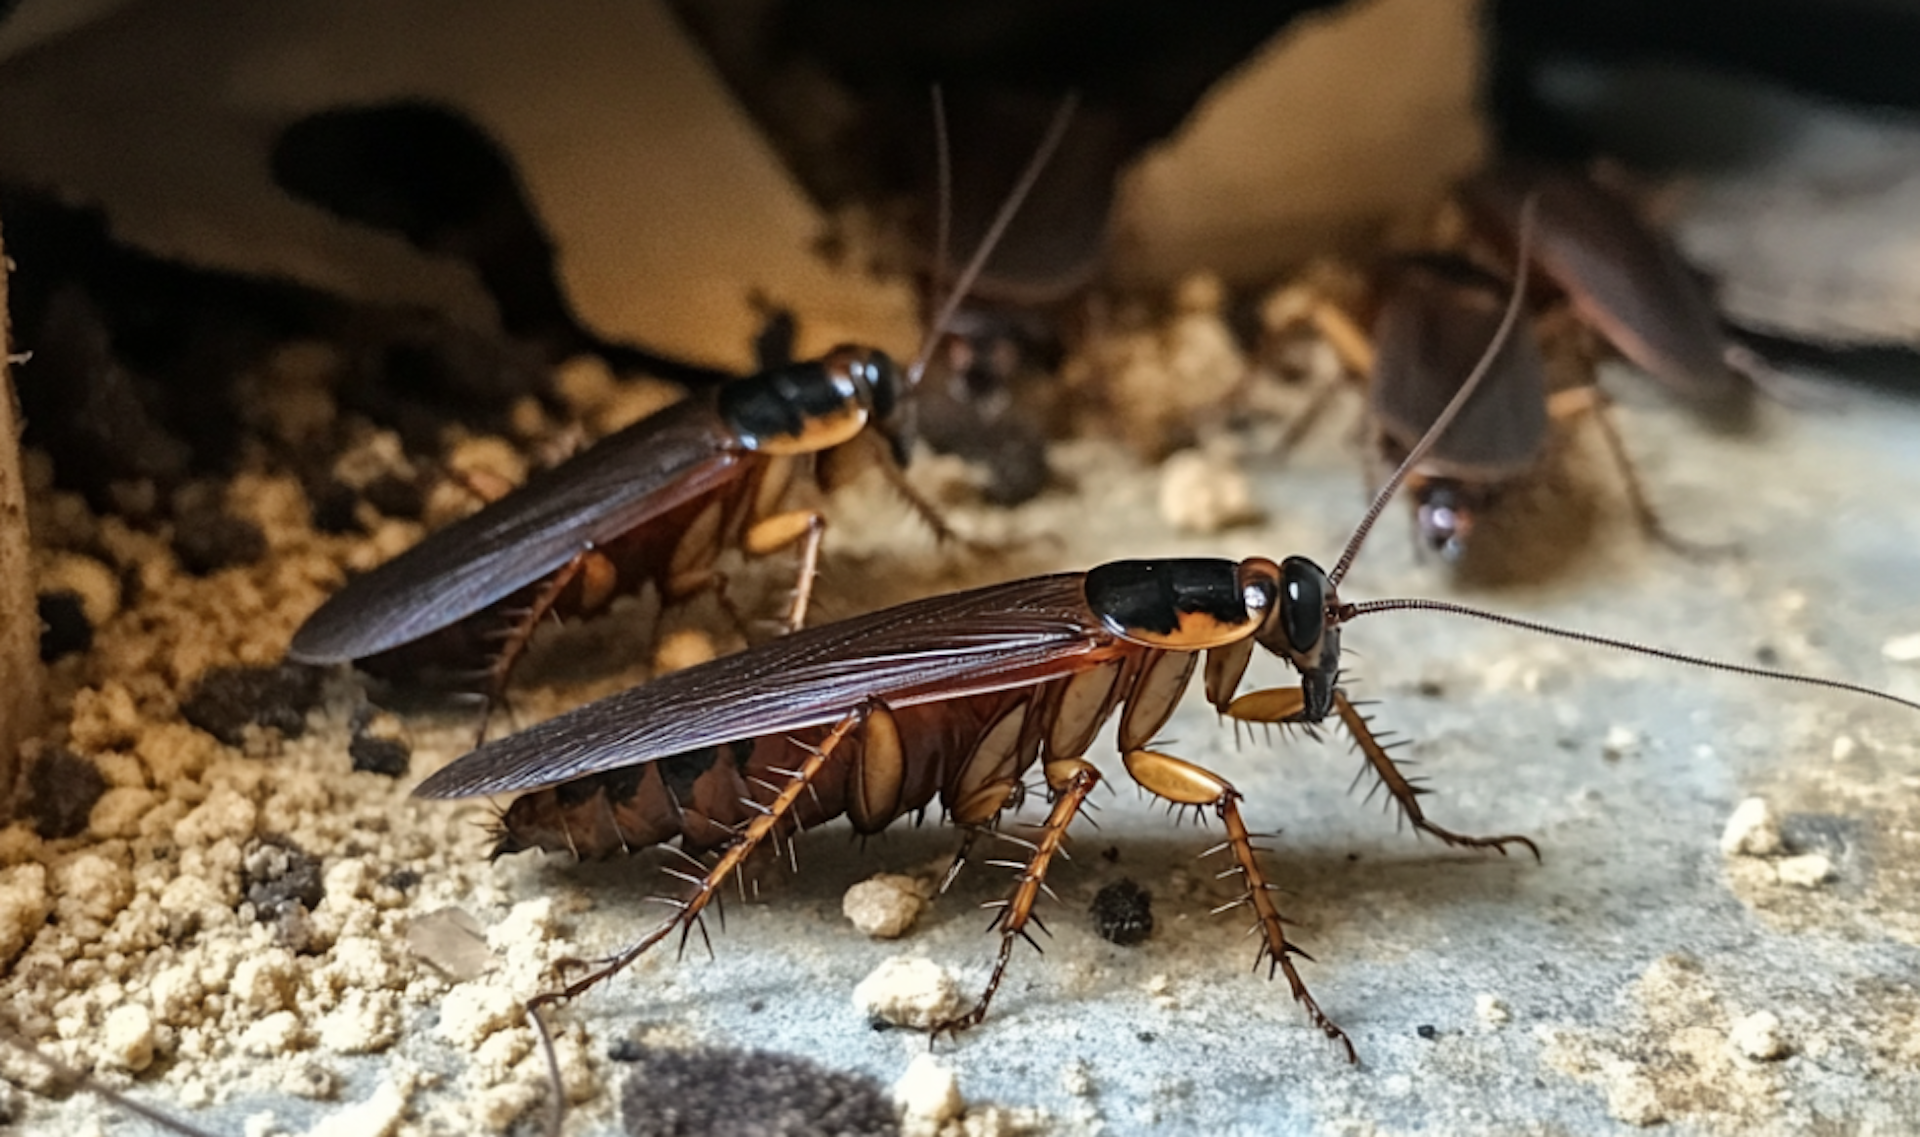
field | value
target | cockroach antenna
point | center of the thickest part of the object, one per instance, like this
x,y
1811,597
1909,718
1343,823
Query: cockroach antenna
x,y
1049,142
113,1097
1349,612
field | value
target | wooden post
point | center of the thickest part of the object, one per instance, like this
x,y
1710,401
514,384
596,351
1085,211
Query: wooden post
x,y
22,702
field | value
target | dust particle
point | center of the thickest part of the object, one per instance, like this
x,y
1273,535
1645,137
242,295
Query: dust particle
x,y
1809,870
748,1093
62,790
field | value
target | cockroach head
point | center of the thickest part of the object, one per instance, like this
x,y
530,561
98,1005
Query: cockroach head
x,y
1302,626
886,388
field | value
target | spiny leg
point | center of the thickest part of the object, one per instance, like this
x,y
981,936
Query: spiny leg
x,y
1405,792
1590,400
588,566
1185,784
772,534
765,823
1071,780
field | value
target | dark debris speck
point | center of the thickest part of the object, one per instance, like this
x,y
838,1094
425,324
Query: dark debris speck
x,y
1427,1031
64,627
396,496
62,789
748,1093
400,880
283,883
208,542
227,700
376,754
1123,912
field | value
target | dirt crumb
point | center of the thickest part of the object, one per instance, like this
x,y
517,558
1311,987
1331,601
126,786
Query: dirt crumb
x,y
884,906
1752,830
929,1091
62,790
908,991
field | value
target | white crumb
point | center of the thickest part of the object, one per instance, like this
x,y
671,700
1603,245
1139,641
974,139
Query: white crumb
x,y
1809,870
908,991
1758,1036
1492,1011
929,1090
1752,831
884,906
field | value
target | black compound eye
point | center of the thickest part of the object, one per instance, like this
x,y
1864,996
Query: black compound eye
x,y
884,378
1303,604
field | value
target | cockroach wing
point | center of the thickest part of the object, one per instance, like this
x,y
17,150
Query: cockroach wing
x,y
965,643
1436,317
1627,281
604,492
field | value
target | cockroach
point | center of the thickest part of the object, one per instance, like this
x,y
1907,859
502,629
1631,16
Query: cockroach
x,y
1433,315
1622,279
957,698
658,501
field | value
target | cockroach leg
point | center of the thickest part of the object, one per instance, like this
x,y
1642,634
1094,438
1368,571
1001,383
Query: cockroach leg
x,y
772,534
687,911
1186,785
1599,408
1405,792
1070,780
594,572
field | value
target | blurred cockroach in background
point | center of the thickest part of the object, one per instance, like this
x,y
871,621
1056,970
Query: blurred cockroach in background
x,y
658,501
1426,316
958,697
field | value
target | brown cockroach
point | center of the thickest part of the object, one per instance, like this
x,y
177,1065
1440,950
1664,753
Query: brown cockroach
x,y
1433,315
1621,278
658,501
957,698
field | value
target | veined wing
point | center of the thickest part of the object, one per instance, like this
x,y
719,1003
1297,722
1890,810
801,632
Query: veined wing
x,y
986,639
603,492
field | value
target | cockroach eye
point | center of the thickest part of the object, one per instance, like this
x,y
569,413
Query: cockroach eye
x,y
1303,612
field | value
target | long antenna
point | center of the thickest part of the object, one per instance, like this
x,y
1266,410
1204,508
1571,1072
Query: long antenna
x,y
1455,405
1368,607
1056,130
943,203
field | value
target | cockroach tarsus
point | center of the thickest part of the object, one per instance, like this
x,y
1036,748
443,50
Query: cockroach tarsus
x,y
656,502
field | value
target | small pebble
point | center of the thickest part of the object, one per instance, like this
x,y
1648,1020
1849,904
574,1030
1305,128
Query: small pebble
x,y
1902,649
1492,1010
1844,747
1621,742
1758,1036
128,1037
1809,870
929,1089
908,991
884,907
1752,831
